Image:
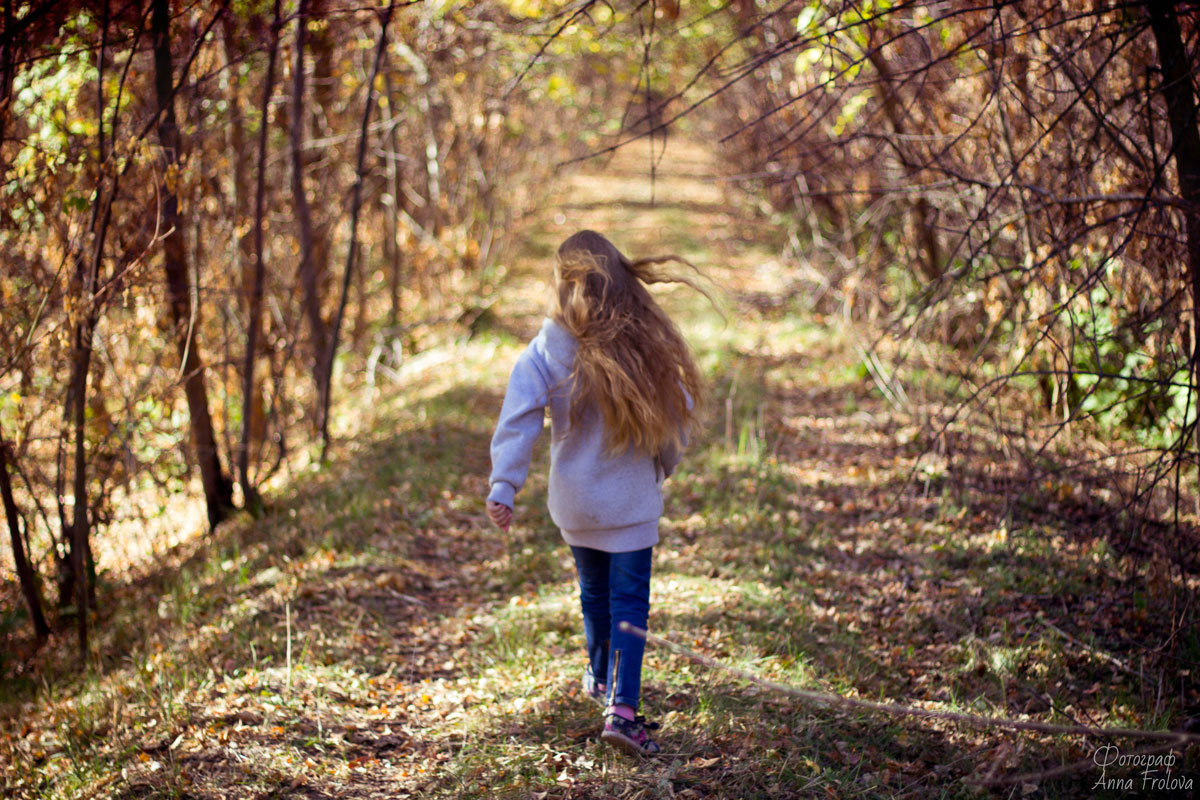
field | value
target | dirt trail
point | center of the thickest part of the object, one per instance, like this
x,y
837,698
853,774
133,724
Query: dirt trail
x,y
687,209
374,637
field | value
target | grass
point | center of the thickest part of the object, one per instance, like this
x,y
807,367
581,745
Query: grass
x,y
373,637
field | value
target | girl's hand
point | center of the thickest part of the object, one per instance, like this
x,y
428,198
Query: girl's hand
x,y
500,514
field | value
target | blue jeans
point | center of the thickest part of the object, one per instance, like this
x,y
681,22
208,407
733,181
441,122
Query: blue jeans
x,y
614,588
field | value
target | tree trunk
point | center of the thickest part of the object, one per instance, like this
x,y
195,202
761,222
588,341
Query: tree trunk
x,y
242,205
218,489
355,207
25,572
310,279
81,364
322,167
254,317
393,214
88,281
76,567
64,560
235,51
1176,89
7,73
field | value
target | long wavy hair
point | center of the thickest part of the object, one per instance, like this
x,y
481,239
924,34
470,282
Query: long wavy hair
x,y
631,360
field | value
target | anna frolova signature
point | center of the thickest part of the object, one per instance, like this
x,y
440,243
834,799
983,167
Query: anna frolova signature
x,y
1152,772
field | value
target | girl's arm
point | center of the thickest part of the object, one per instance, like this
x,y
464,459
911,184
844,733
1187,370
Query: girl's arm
x,y
521,420
670,456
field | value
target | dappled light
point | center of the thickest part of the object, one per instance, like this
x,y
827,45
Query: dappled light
x,y
268,270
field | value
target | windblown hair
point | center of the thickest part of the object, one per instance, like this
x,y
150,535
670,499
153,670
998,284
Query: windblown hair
x,y
631,360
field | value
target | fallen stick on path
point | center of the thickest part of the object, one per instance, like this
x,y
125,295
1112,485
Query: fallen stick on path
x,y
1116,662
896,709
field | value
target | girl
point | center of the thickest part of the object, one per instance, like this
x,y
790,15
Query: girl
x,y
620,382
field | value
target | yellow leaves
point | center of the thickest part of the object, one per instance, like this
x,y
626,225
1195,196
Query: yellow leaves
x,y
559,87
526,8
849,111
807,18
171,178
1061,490
391,580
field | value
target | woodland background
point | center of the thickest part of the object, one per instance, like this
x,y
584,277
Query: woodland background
x,y
230,228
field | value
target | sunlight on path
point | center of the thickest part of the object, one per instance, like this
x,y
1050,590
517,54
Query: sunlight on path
x,y
686,211
775,553
375,637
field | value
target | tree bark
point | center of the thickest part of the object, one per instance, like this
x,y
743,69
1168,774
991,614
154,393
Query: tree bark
x,y
310,279
1177,91
25,572
322,169
242,205
355,207
80,524
65,561
7,73
254,317
393,214
218,489
83,328
235,51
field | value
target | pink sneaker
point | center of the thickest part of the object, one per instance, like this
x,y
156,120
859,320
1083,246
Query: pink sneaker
x,y
630,734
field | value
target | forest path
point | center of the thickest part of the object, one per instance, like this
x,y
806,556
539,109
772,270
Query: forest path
x,y
775,555
375,637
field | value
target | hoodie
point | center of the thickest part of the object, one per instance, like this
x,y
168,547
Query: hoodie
x,y
609,503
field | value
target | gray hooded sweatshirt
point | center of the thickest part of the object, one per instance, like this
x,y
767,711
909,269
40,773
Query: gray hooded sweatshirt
x,y
598,501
